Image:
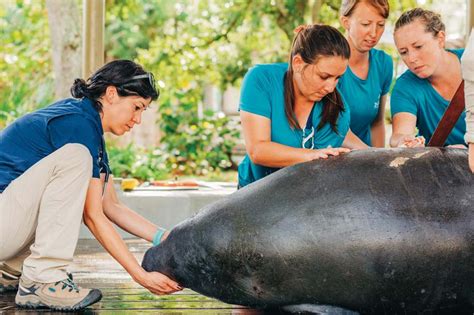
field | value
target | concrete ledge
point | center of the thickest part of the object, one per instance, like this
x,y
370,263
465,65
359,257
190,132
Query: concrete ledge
x,y
167,208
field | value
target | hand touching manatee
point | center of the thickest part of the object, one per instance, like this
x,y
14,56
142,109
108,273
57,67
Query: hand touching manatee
x,y
456,146
158,283
325,153
471,157
411,142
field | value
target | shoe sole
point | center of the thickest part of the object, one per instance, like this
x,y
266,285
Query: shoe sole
x,y
34,302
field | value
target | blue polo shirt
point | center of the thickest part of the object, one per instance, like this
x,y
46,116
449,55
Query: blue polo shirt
x,y
38,134
363,96
262,94
418,97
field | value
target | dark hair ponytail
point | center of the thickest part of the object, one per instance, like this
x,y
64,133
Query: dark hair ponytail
x,y
312,42
128,77
79,89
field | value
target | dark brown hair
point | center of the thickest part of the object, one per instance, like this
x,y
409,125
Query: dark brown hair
x,y
127,76
432,21
382,6
313,42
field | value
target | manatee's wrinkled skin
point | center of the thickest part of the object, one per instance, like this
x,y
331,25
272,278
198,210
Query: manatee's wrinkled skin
x,y
374,231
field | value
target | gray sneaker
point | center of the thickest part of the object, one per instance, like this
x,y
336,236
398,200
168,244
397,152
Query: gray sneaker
x,y
9,279
63,295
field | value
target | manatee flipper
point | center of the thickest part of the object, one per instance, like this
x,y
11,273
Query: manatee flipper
x,y
318,309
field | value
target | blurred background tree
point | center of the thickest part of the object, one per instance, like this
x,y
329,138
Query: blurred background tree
x,y
25,62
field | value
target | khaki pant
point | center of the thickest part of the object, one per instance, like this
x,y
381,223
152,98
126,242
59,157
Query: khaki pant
x,y
43,208
468,76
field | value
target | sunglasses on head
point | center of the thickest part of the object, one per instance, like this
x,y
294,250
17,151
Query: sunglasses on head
x,y
148,75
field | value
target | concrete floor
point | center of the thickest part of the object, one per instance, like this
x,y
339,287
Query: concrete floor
x,y
94,268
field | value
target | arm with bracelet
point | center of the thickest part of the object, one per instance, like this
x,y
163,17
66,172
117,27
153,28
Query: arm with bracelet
x,y
160,235
103,210
129,220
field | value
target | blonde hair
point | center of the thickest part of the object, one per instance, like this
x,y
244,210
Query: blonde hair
x,y
430,19
348,6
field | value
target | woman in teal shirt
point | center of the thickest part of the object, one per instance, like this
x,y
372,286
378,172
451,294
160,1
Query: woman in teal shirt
x,y
292,113
422,94
367,80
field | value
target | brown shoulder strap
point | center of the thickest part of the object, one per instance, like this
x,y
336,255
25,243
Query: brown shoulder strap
x,y
449,119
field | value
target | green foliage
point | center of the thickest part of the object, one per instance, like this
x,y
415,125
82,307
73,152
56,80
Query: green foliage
x,y
131,23
197,45
25,61
138,163
202,146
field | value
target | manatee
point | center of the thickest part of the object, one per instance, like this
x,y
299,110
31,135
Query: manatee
x,y
372,231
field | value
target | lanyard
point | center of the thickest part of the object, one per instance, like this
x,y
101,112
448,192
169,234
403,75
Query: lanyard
x,y
309,122
307,141
103,166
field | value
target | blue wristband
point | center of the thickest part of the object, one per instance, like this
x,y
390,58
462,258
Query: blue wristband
x,y
158,235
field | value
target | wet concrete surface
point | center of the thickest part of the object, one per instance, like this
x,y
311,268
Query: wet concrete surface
x,y
94,268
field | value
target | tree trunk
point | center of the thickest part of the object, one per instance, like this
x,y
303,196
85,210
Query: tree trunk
x,y
65,26
290,14
317,4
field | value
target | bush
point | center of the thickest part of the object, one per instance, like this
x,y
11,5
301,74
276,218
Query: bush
x,y
200,148
139,163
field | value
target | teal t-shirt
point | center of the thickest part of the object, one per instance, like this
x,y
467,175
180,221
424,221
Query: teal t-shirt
x,y
418,97
262,94
363,96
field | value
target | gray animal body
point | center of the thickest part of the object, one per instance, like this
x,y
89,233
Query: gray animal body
x,y
374,231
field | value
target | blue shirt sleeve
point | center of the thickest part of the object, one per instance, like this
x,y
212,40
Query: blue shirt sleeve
x,y
402,99
76,129
254,95
387,81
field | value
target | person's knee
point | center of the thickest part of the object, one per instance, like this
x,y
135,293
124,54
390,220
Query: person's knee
x,y
77,154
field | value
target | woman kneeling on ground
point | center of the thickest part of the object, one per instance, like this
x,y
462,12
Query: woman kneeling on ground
x,y
54,172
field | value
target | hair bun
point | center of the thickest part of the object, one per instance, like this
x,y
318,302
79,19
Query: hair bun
x,y
78,89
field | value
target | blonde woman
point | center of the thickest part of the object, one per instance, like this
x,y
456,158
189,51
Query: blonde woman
x,y
367,80
422,94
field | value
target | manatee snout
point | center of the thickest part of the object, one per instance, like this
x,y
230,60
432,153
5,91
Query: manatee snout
x,y
148,262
